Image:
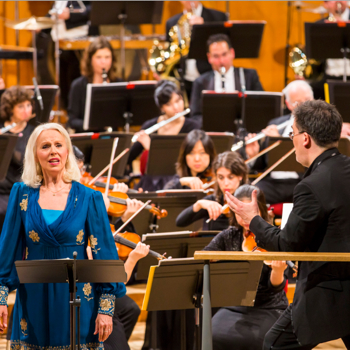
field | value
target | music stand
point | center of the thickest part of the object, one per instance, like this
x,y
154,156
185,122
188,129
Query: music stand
x,y
260,108
328,40
337,93
239,32
7,146
125,12
97,149
48,93
71,271
116,104
177,284
176,244
173,202
166,148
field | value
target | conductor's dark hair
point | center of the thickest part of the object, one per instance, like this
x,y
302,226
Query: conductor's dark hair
x,y
164,91
187,146
233,162
320,120
245,191
85,65
218,38
11,97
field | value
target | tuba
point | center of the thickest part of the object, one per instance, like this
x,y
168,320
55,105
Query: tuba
x,y
298,61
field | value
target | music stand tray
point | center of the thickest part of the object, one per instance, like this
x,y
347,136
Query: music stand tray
x,y
166,148
239,32
176,244
7,146
97,150
221,110
107,104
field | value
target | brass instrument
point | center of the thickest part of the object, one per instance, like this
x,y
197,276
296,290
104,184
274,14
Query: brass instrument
x,y
298,61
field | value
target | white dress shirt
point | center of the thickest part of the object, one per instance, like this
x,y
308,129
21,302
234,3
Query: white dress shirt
x,y
229,81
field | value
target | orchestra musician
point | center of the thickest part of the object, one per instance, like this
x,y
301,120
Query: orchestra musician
x,y
16,107
170,101
98,56
319,222
199,15
220,54
244,327
194,164
230,172
51,215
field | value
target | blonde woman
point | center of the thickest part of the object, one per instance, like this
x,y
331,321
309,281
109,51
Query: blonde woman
x,y
50,215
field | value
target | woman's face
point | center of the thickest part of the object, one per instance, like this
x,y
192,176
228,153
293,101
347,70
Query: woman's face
x,y
22,112
197,160
239,219
51,152
101,59
227,181
174,106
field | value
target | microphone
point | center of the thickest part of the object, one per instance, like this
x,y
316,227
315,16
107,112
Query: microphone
x,y
38,94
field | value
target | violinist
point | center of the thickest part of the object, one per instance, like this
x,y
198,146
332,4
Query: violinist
x,y
98,57
244,327
16,107
194,163
230,172
170,101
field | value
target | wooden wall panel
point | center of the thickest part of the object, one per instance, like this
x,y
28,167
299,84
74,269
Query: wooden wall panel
x,y
269,64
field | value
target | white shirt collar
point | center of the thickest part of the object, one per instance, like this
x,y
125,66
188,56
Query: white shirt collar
x,y
197,11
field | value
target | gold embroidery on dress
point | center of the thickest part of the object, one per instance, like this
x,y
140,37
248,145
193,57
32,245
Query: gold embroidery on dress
x,y
34,236
24,204
3,296
80,237
23,326
27,253
93,242
105,304
87,291
21,345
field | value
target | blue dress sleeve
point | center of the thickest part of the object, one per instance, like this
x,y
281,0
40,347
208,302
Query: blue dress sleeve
x,y
12,242
103,247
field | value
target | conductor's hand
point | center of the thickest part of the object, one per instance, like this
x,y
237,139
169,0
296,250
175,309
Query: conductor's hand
x,y
144,139
193,182
252,149
103,326
271,131
3,318
214,208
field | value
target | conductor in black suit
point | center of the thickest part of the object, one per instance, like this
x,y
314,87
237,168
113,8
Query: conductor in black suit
x,y
220,53
319,222
200,14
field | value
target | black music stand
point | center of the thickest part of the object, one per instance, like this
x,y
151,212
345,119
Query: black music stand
x,y
166,148
328,40
338,95
175,244
126,12
177,284
71,271
118,104
97,149
239,32
174,202
7,146
260,108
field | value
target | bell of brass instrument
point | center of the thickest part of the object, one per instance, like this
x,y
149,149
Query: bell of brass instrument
x,y
298,61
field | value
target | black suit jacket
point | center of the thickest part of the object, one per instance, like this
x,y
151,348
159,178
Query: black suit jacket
x,y
319,222
207,82
208,15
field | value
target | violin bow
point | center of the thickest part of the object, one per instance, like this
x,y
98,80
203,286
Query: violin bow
x,y
131,217
267,149
114,147
107,167
265,173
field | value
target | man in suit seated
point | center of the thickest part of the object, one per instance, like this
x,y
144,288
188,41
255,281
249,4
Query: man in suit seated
x,y
220,54
200,15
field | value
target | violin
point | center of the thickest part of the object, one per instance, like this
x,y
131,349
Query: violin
x,y
127,241
250,245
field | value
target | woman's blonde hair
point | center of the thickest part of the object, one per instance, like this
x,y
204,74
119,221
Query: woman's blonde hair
x,y
32,173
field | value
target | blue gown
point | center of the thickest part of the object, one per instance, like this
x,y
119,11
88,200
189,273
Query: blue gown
x,y
41,311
